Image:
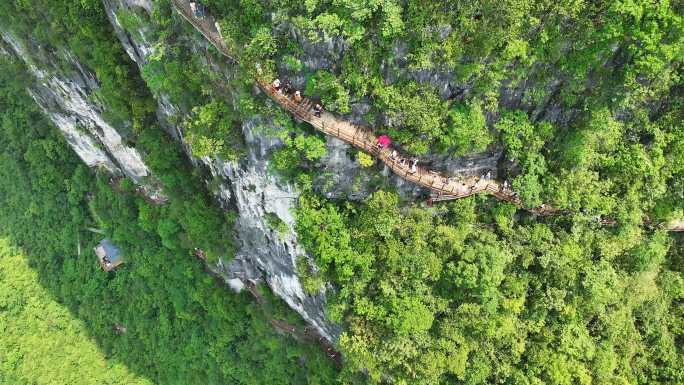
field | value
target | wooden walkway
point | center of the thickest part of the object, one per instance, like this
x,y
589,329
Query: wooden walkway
x,y
442,187
675,225
362,138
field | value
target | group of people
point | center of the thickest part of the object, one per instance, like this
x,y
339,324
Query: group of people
x,y
384,141
288,89
508,187
403,162
504,187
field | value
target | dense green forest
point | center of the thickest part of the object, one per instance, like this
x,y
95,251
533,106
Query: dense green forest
x,y
42,343
584,101
473,292
465,292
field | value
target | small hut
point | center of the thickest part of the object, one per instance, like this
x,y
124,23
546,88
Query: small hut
x,y
109,255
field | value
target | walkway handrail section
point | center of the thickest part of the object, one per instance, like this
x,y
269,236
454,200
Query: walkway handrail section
x,y
363,138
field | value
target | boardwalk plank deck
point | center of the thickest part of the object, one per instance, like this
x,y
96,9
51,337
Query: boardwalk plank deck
x,y
363,139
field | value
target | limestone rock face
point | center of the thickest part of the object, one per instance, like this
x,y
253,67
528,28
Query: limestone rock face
x,y
265,254
68,98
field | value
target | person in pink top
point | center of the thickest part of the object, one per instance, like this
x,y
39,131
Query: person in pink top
x,y
384,141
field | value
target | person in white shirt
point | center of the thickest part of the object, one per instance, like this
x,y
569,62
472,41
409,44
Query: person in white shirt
x,y
413,166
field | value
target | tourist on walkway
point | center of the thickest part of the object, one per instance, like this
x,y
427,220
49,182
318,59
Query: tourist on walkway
x,y
317,110
297,97
276,85
287,88
413,167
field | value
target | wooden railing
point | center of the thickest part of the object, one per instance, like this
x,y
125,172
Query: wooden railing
x,y
443,187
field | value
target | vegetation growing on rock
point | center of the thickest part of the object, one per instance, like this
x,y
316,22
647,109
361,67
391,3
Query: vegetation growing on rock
x,y
582,100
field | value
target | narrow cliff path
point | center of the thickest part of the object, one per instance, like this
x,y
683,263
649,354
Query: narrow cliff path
x,y
361,137
443,187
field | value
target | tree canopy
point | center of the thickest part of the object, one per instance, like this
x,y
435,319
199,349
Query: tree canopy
x,y
581,102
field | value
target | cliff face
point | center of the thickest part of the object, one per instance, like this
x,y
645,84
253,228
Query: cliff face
x,y
66,96
265,254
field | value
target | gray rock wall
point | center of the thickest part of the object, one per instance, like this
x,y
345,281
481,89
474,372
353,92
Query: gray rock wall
x,y
66,97
264,254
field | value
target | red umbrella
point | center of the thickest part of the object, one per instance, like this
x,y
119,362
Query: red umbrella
x,y
384,140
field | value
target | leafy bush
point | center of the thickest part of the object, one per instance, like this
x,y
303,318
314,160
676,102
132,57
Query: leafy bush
x,y
213,131
312,281
292,63
466,130
365,160
334,96
276,224
298,152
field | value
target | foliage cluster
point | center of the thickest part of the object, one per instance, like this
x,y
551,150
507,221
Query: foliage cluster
x,y
298,153
212,131
468,294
